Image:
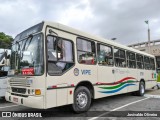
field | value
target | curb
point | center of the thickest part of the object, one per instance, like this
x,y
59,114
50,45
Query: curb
x,y
152,96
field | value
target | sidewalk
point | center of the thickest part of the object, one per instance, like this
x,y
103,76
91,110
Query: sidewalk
x,y
153,93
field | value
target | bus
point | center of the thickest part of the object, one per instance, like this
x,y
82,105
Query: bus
x,y
4,67
54,65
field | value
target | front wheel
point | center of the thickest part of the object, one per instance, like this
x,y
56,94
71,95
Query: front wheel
x,y
82,100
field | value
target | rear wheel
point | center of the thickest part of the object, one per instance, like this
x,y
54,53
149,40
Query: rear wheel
x,y
141,90
82,100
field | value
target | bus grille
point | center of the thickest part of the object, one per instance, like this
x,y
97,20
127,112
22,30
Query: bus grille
x,y
19,90
19,82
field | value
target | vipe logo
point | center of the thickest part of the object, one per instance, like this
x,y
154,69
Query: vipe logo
x,y
6,114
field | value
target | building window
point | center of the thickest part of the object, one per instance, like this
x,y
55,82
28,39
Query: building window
x,y
131,61
86,51
105,55
119,57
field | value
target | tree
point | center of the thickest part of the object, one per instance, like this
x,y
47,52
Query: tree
x,y
5,41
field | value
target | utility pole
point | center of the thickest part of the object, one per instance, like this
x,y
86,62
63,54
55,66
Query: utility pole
x,y
149,47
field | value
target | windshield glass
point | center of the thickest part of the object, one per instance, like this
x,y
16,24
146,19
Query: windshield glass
x,y
27,56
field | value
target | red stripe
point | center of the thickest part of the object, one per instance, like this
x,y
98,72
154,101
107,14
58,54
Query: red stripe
x,y
114,83
54,86
72,85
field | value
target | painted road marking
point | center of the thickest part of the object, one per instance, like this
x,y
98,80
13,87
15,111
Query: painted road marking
x,y
9,106
152,96
118,108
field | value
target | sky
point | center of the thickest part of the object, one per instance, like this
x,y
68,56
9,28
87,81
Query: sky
x,y
120,19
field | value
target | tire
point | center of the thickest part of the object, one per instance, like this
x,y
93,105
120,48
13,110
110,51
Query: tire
x,y
141,90
82,100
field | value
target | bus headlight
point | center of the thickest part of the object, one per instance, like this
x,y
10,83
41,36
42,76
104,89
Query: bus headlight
x,y
32,92
37,92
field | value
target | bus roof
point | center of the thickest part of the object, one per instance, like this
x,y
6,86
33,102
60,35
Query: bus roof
x,y
82,34
92,37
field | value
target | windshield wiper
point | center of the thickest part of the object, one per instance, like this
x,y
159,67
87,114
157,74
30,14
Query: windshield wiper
x,y
24,46
29,37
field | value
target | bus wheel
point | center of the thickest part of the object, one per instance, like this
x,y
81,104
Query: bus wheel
x,y
82,100
141,90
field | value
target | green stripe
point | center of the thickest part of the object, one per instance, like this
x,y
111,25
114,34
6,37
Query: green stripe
x,y
117,86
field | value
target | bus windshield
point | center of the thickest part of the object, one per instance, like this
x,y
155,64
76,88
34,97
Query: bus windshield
x,y
27,56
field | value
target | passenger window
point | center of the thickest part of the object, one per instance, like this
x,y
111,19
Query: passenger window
x,y
60,55
119,57
146,63
152,63
86,51
105,55
139,59
131,60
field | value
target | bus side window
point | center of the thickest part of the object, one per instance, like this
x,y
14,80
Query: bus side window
x,y
146,63
60,55
105,55
119,57
139,60
131,60
65,54
51,48
86,51
152,64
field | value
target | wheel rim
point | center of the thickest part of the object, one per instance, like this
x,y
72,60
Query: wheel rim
x,y
82,99
142,88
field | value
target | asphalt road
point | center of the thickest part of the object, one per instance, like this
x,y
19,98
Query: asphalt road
x,y
100,109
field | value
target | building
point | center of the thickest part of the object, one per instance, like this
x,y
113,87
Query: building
x,y
154,49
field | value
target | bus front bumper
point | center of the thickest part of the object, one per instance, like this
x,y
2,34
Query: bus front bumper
x,y
30,101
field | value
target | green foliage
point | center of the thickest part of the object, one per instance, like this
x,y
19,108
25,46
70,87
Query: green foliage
x,y
5,40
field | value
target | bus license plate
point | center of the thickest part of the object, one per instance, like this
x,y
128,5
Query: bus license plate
x,y
15,99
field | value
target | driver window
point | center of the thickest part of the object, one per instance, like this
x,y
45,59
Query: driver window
x,y
52,55
65,53
60,55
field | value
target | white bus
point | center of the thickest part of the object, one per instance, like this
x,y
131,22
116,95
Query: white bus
x,y
4,67
54,65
